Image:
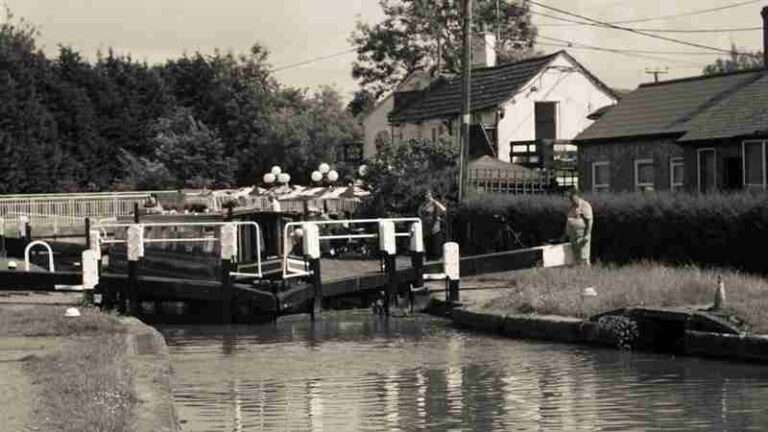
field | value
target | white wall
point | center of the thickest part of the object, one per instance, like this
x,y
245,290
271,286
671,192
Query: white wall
x,y
575,94
375,122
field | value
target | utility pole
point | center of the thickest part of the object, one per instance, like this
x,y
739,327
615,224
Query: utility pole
x,y
466,112
656,73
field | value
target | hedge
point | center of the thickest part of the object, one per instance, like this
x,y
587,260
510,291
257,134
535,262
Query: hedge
x,y
724,230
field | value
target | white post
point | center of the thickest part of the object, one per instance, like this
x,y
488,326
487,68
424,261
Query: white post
x,y
135,242
451,268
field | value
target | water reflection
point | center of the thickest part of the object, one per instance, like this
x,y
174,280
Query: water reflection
x,y
352,371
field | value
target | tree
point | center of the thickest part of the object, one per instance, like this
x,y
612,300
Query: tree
x,y
192,153
422,34
399,176
362,103
305,131
736,61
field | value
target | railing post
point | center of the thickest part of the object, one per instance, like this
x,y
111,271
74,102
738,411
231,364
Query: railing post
x,y
311,248
228,254
129,300
417,259
388,249
3,251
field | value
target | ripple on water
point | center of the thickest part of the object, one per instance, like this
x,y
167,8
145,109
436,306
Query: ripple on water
x,y
355,372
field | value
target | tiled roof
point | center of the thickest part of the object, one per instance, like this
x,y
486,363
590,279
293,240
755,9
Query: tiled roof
x,y
742,113
666,108
491,86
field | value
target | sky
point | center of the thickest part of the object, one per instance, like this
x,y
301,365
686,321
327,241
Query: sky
x,y
299,30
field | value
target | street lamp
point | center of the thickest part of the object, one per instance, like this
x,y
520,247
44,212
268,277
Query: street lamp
x,y
269,178
324,171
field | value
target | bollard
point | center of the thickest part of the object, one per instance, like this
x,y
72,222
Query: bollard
x,y
228,256
311,246
451,266
417,259
719,302
388,249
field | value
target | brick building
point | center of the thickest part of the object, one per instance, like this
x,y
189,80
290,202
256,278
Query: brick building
x,y
701,134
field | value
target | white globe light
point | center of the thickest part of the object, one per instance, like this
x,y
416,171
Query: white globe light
x,y
269,178
324,168
283,178
317,176
333,175
287,178
363,170
276,170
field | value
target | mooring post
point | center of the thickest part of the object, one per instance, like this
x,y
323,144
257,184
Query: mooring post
x,y
311,248
451,267
388,249
228,255
417,259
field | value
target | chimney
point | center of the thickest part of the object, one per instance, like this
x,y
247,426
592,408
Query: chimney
x,y
484,49
764,13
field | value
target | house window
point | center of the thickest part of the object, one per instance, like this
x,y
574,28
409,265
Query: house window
x,y
754,155
601,176
644,174
676,173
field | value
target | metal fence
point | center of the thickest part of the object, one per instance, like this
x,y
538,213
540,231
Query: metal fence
x,y
489,180
70,209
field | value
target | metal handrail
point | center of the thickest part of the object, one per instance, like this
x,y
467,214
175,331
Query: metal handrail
x,y
258,274
288,275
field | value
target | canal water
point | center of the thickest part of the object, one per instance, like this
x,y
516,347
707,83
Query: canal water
x,y
352,371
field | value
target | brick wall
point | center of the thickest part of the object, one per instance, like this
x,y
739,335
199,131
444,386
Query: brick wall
x,y
622,155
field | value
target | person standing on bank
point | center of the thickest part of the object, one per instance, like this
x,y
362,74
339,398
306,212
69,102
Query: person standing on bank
x,y
432,214
578,228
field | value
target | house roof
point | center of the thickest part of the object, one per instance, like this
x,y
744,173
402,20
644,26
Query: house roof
x,y
668,107
742,113
491,86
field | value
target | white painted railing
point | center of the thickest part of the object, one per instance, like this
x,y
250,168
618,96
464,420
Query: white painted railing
x,y
71,209
294,267
104,229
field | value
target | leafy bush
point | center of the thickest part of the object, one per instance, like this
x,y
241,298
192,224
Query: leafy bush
x,y
726,230
400,175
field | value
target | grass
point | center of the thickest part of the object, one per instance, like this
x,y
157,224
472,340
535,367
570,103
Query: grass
x,y
558,291
42,320
87,385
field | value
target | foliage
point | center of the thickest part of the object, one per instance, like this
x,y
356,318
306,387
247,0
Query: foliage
x,y
720,230
736,61
202,119
400,175
422,34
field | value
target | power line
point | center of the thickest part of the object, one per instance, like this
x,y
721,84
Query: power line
x,y
613,26
313,60
652,30
685,14
626,53
629,50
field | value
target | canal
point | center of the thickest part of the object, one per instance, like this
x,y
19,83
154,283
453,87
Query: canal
x,y
352,371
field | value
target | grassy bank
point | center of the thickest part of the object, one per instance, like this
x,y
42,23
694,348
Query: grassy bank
x,y
87,383
558,291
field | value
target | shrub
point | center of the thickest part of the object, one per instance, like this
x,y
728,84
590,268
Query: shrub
x,y
725,230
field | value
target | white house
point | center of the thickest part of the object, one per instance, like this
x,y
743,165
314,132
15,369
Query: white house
x,y
519,110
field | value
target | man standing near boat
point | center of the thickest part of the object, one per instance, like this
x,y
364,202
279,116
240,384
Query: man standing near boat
x,y
578,228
